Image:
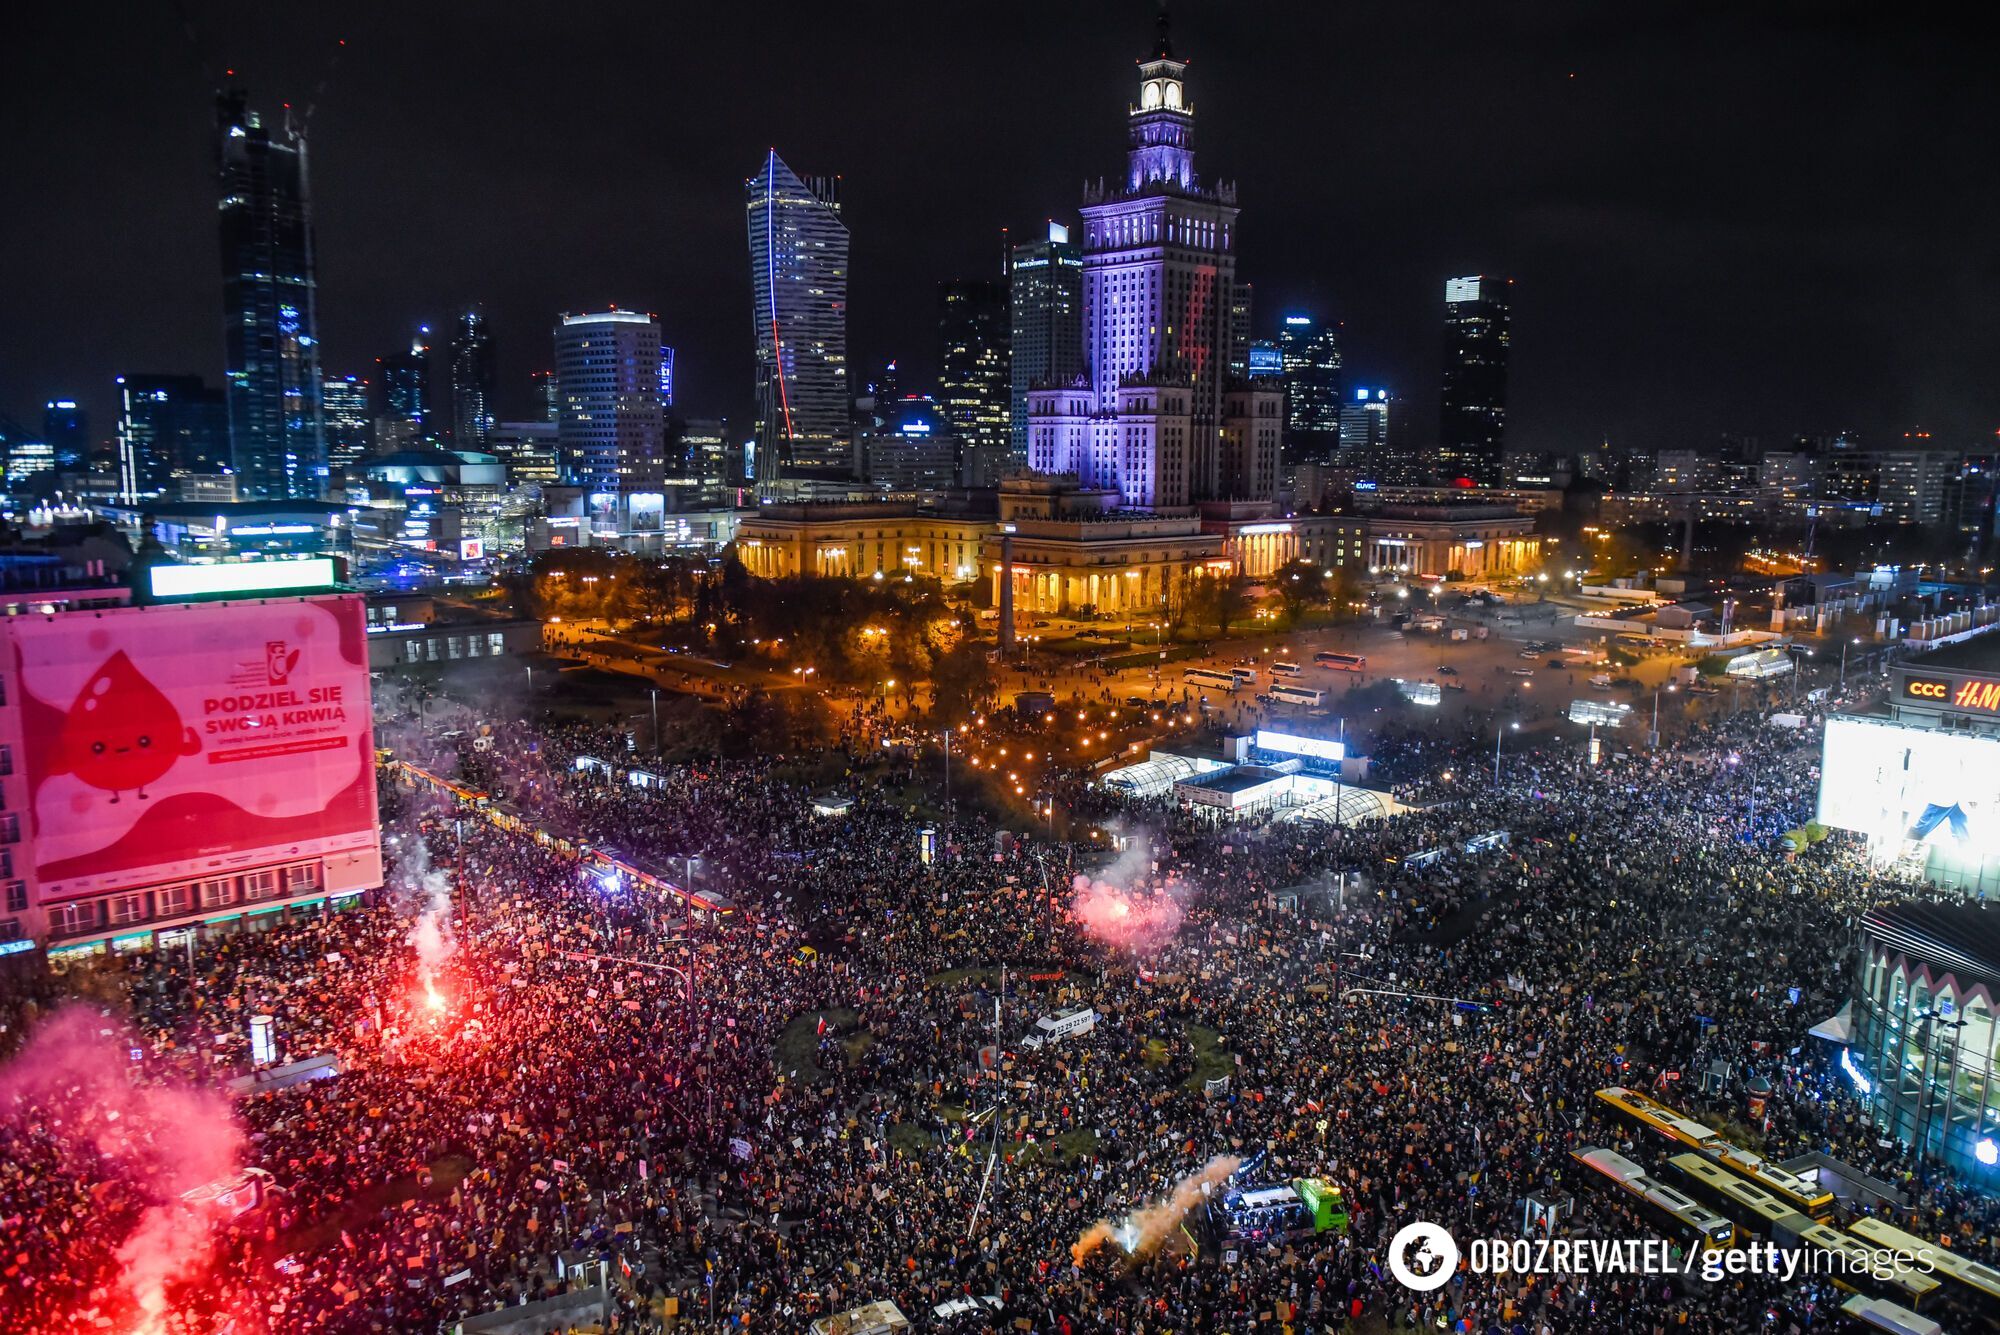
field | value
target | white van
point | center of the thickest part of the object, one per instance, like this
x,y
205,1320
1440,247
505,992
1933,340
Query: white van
x,y
1063,1024
1287,670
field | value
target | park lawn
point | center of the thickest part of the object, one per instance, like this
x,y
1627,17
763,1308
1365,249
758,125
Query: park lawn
x,y
798,1044
1211,1059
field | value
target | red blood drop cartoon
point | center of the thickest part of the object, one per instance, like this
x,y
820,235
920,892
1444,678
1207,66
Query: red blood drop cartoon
x,y
122,734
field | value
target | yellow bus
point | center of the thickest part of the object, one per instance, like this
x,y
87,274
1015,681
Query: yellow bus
x,y
1656,1117
1970,1286
1747,1203
1670,1214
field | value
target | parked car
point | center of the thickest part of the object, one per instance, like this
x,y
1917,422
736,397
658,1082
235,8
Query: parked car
x,y
1447,670
1627,683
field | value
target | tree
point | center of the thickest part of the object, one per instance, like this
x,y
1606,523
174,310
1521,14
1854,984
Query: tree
x,y
1301,585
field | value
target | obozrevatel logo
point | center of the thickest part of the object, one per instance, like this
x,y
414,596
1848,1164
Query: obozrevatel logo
x,y
1422,1256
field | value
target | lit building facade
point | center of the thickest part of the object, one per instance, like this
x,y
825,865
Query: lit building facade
x,y
1159,284
1472,427
1921,1040
798,282
861,540
1440,541
1067,549
270,304
349,426
974,380
1311,356
168,426
403,409
472,381
1364,419
1045,297
612,431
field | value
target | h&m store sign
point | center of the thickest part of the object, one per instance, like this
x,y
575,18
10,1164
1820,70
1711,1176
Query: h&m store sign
x,y
1950,693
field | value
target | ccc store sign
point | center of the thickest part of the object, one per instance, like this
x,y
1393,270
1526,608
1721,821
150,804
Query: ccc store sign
x,y
1927,690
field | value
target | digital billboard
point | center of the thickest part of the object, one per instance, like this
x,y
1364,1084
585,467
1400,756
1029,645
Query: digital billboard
x,y
1295,745
174,742
1896,784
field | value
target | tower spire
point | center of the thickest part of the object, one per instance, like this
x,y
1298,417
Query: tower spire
x,y
1163,44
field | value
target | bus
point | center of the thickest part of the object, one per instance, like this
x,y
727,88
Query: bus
x,y
1969,1286
1203,677
1340,662
1656,1117
1297,695
1889,1317
1671,1214
1287,670
1244,676
1856,1266
1747,1203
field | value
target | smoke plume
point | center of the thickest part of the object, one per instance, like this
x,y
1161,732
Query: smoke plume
x,y
155,1140
1142,1232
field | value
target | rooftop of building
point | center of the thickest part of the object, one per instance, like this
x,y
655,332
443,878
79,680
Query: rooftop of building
x,y
1979,654
1240,779
1962,939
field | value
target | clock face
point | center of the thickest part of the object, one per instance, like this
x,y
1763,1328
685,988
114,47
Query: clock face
x,y
1173,95
1149,95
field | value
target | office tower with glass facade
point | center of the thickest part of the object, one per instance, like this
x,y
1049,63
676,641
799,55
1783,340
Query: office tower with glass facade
x,y
798,282
350,426
1364,419
1045,297
168,426
547,394
1472,416
612,430
403,409
1239,332
1147,418
270,306
472,381
66,431
1313,384
974,381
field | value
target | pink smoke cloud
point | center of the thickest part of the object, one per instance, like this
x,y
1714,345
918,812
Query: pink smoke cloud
x,y
1135,919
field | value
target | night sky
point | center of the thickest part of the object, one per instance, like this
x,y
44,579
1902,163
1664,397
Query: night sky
x,y
1736,216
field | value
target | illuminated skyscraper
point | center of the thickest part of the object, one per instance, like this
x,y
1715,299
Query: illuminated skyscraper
x,y
798,282
66,431
168,426
1159,334
1311,352
1364,420
472,381
547,394
974,381
1472,426
613,425
403,410
270,301
1045,294
349,426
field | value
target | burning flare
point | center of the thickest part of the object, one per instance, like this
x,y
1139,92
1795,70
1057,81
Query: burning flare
x,y
1142,1233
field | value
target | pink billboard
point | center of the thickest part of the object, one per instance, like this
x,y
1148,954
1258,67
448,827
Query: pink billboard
x,y
187,740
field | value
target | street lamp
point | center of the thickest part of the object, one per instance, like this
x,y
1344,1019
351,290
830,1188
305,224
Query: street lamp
x,y
1843,657
1498,733
1654,740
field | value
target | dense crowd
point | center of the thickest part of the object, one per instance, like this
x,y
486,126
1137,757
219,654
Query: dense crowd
x,y
758,1119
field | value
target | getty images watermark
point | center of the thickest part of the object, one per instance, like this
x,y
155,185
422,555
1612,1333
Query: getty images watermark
x,y
1424,1256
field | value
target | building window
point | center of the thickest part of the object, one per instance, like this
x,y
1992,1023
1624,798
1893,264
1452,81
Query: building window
x,y
126,909
216,893
413,651
70,919
17,896
173,900
6,758
302,879
10,828
496,643
259,885
10,929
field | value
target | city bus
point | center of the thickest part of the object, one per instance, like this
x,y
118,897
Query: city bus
x,y
1671,1214
1857,1266
1244,676
1287,670
1340,662
1297,695
1889,1317
1203,677
1656,1117
1969,1286
1756,1209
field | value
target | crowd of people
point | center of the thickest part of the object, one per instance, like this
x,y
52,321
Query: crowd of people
x,y
752,1120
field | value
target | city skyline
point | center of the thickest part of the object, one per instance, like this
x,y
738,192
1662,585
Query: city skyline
x,y
1661,245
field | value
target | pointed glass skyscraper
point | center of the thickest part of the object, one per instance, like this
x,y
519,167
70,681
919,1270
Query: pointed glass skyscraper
x,y
270,297
798,283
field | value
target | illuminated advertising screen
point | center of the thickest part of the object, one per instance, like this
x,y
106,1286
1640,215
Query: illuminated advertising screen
x,y
1294,745
174,742
1895,783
